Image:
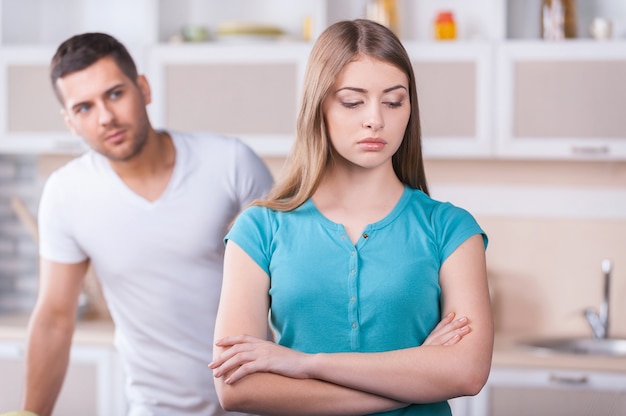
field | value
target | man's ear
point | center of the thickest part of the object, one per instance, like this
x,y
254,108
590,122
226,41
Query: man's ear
x,y
68,122
144,87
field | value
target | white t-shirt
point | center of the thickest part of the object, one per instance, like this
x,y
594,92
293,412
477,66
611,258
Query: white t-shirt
x,y
159,263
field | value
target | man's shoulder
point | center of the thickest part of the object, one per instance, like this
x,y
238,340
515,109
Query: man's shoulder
x,y
77,168
198,140
217,149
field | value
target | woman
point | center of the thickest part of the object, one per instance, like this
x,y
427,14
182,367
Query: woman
x,y
352,259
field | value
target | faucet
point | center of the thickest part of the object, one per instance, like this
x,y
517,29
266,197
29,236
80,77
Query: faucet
x,y
599,321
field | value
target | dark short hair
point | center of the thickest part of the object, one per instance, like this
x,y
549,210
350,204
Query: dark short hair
x,y
82,51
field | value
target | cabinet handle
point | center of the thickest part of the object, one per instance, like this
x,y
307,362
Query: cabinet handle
x,y
591,150
571,380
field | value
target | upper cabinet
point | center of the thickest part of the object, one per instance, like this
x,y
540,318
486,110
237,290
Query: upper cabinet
x,y
235,67
561,101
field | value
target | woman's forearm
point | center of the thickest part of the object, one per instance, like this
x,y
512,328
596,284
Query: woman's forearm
x,y
414,375
273,394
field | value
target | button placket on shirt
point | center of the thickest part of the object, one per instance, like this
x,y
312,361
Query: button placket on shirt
x,y
353,284
353,306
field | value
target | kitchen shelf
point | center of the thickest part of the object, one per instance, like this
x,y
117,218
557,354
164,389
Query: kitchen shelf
x,y
523,17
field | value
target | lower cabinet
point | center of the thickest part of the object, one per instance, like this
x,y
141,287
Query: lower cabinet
x,y
517,391
94,383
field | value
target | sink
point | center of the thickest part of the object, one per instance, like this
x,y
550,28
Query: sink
x,y
614,347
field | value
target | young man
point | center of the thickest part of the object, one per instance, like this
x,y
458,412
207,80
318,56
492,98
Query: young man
x,y
149,210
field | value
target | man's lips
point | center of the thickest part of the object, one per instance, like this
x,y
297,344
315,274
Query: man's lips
x,y
115,136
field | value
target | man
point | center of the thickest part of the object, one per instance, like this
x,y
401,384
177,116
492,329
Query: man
x,y
148,209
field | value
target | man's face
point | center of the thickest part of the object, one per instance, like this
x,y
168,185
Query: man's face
x,y
107,109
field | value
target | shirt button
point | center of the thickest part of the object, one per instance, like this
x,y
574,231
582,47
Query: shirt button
x,y
352,271
353,252
352,299
343,237
353,325
365,235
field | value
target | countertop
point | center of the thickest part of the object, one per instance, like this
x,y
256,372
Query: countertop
x,y
88,331
507,351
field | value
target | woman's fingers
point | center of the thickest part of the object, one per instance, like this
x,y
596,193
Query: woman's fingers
x,y
449,331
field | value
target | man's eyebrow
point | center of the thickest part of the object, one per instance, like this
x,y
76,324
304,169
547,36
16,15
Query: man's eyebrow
x,y
113,88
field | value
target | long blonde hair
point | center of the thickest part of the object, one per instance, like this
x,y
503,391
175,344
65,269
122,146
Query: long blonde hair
x,y
337,46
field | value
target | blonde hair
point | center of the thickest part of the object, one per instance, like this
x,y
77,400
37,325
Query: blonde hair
x,y
340,44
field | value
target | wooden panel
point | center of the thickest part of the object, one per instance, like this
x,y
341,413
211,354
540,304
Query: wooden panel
x,y
573,99
447,98
32,106
232,98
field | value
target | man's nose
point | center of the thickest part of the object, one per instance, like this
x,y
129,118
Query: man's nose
x,y
105,115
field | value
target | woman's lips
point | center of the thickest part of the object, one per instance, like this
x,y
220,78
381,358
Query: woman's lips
x,y
372,143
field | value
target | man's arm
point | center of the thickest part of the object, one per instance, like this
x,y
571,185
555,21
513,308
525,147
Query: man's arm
x,y
50,333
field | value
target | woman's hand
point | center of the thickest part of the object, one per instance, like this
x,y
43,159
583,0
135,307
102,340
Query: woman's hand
x,y
449,331
246,354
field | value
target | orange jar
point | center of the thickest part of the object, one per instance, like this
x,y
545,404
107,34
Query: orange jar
x,y
445,27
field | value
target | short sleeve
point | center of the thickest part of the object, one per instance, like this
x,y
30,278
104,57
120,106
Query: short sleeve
x,y
252,232
253,179
56,242
453,226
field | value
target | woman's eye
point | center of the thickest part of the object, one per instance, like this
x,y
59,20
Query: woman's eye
x,y
350,104
394,104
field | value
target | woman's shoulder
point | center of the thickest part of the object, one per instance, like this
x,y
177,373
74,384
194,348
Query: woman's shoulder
x,y
436,209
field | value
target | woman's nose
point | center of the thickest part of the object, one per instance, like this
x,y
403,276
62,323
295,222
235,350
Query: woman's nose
x,y
374,119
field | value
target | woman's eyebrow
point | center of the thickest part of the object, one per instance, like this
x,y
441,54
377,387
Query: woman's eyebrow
x,y
362,90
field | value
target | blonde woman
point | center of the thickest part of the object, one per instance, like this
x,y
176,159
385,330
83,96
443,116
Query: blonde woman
x,y
377,294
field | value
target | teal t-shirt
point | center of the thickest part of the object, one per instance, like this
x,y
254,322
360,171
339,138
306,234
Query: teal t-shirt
x,y
328,295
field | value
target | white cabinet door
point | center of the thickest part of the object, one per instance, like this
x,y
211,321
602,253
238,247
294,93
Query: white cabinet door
x,y
93,384
561,100
248,91
522,392
30,118
454,96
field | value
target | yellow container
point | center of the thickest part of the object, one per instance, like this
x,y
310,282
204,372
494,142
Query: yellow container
x,y
445,26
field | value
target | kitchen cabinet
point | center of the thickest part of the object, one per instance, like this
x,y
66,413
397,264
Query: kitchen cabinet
x,y
454,90
231,83
556,392
94,383
216,87
473,91
561,100
30,120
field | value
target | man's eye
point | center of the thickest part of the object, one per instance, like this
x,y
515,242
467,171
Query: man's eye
x,y
82,109
116,94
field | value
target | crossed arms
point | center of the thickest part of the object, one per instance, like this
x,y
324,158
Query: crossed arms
x,y
257,376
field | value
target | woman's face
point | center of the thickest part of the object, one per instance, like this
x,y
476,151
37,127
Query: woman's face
x,y
367,112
